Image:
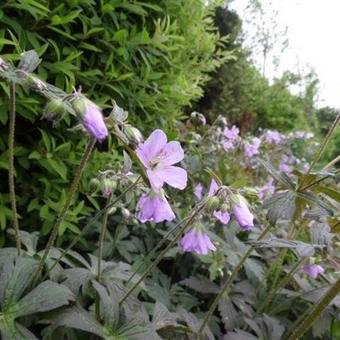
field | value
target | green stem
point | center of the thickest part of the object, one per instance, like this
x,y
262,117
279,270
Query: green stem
x,y
61,216
11,183
164,251
331,163
100,256
228,283
89,225
315,312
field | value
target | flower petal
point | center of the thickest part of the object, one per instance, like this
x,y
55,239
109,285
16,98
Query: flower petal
x,y
172,175
151,147
156,181
172,153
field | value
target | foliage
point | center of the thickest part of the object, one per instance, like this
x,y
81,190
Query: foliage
x,y
151,57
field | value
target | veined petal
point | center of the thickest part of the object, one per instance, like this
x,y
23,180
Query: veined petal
x,y
163,211
156,181
172,175
172,153
148,150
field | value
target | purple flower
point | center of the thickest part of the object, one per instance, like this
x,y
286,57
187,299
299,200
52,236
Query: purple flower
x,y
158,156
223,217
252,149
91,117
283,166
213,188
313,270
242,213
232,133
228,145
197,240
154,207
273,137
198,191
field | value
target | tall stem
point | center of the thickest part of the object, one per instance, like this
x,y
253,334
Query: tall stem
x,y
315,312
100,255
228,283
11,167
61,216
164,251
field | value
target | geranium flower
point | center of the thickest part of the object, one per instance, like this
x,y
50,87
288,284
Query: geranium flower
x,y
313,270
273,137
242,213
232,133
158,157
197,240
267,189
154,207
252,149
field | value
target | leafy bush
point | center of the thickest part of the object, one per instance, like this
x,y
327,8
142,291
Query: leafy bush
x,y
151,57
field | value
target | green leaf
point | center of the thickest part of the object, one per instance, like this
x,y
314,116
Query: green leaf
x,y
280,177
45,297
312,198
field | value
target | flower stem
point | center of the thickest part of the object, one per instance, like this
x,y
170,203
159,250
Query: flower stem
x,y
315,311
182,230
61,216
228,283
89,224
11,183
100,255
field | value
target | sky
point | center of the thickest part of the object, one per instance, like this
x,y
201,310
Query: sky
x,y
313,33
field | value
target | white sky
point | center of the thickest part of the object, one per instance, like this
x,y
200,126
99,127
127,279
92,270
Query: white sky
x,y
314,40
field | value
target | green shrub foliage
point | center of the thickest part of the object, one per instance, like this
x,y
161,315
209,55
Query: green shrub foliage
x,y
151,57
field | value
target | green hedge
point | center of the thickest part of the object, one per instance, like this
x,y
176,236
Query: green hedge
x,y
151,57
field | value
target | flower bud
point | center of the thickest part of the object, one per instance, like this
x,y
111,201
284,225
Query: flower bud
x,y
133,135
224,207
91,117
213,203
35,83
94,184
241,211
108,186
54,109
3,65
125,213
197,118
112,210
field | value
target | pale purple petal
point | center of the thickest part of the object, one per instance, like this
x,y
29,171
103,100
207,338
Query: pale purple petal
x,y
223,217
93,121
313,270
198,191
155,181
197,241
154,207
171,154
172,175
150,149
213,188
242,214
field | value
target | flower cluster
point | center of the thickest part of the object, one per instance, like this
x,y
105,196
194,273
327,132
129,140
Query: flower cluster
x,y
158,156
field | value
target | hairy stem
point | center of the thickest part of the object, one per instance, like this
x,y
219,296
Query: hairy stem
x,y
315,311
228,283
195,212
61,216
100,255
11,183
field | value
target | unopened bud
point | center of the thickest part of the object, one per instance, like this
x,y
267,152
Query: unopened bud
x,y
94,184
125,213
213,203
197,118
108,186
112,210
224,207
54,109
35,83
3,65
133,135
